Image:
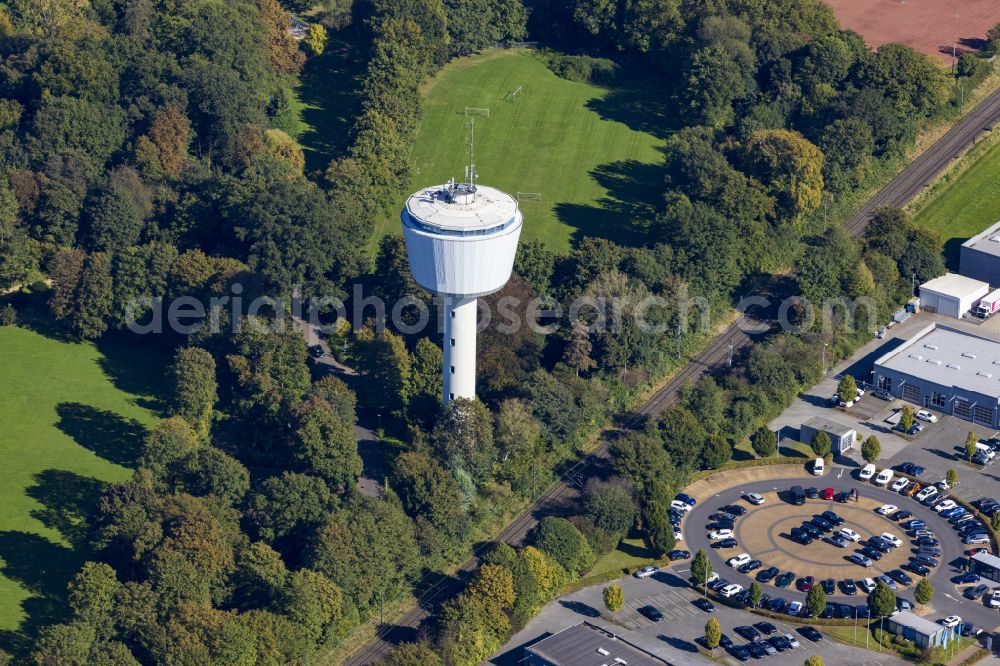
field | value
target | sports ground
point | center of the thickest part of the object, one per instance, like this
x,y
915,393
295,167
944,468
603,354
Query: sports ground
x,y
71,418
584,158
929,26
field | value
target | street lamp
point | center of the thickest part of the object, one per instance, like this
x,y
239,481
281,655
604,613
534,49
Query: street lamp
x,y
825,345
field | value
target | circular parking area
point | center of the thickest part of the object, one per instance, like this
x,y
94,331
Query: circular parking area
x,y
765,533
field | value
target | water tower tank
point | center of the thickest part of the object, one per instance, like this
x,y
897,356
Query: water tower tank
x,y
461,240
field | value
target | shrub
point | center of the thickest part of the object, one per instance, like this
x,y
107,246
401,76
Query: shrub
x,y
8,315
581,68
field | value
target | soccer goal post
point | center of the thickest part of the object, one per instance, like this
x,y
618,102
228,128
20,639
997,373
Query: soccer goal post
x,y
512,95
473,111
530,196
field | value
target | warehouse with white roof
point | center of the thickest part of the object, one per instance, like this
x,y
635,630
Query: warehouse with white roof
x,y
979,257
952,295
948,370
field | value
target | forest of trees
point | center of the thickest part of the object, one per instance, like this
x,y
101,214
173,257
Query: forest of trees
x,y
141,158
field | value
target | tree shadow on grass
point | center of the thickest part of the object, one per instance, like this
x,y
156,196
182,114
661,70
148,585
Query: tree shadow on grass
x,y
68,500
329,90
43,568
136,367
633,199
107,434
641,105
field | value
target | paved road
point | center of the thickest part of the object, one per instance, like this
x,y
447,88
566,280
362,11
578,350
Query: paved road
x,y
948,599
733,339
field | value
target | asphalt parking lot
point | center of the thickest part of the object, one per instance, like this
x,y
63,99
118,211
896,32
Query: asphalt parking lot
x,y
668,592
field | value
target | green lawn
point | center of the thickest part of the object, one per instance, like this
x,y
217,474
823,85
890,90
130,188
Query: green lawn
x,y
962,207
324,103
71,418
591,152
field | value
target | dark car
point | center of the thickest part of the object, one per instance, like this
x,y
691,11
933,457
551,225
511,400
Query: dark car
x,y
829,586
765,628
917,470
801,537
828,611
976,592
917,568
650,613
748,632
750,566
926,561
899,577
757,650
777,605
848,587
823,524
806,583
812,493
725,543
739,652
722,515
720,525
915,524
862,611
936,552
734,509
767,574
765,601
687,499
904,467
704,604
968,629
767,647
871,553
811,634
785,579
780,643
985,503
966,578
927,542
798,495
880,544
743,598
812,530
316,351
725,642
833,518
675,555
901,515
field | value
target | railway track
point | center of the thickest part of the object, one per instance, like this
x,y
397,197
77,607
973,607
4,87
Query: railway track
x,y
910,182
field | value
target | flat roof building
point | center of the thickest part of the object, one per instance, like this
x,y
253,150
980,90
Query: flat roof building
x,y
987,565
912,627
586,644
945,369
979,257
952,295
842,437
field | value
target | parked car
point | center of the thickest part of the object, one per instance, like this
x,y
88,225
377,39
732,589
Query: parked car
x,y
838,541
785,579
734,509
867,472
976,592
994,599
731,590
901,515
812,492
886,509
645,572
848,587
860,560
651,613
829,586
738,560
720,534
833,518
966,578
925,415
680,506
687,499
766,575
932,552
945,505
950,622
811,634
748,633
915,524
827,494
892,538
754,498
675,555
794,608
725,543
926,493
871,553
899,484
868,584
765,628
805,583
750,567
917,568
850,534
884,477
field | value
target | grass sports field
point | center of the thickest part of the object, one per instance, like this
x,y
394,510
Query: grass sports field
x,y
964,205
591,153
71,418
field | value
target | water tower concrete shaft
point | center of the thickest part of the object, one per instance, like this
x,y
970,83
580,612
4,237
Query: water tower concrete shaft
x,y
461,240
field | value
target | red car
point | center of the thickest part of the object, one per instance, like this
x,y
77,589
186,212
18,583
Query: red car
x,y
827,494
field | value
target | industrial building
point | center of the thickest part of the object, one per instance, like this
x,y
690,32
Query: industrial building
x,y
912,627
948,370
952,295
987,565
586,644
461,239
841,436
979,257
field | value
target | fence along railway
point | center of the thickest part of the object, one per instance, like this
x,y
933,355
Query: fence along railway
x,y
907,184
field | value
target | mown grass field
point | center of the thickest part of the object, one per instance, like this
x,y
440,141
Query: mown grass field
x,y
71,418
964,205
592,153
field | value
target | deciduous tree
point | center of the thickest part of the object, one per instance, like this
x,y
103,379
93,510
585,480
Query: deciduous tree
x,y
821,444
195,389
713,633
816,600
924,592
871,449
764,442
614,598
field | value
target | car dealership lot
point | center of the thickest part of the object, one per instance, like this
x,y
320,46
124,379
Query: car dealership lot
x,y
674,637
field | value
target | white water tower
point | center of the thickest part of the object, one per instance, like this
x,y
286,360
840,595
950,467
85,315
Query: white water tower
x,y
461,239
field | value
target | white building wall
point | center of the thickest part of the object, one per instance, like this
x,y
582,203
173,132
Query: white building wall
x,y
459,348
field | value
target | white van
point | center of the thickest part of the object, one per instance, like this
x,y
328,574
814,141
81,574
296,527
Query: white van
x,y
867,472
818,467
986,450
884,477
